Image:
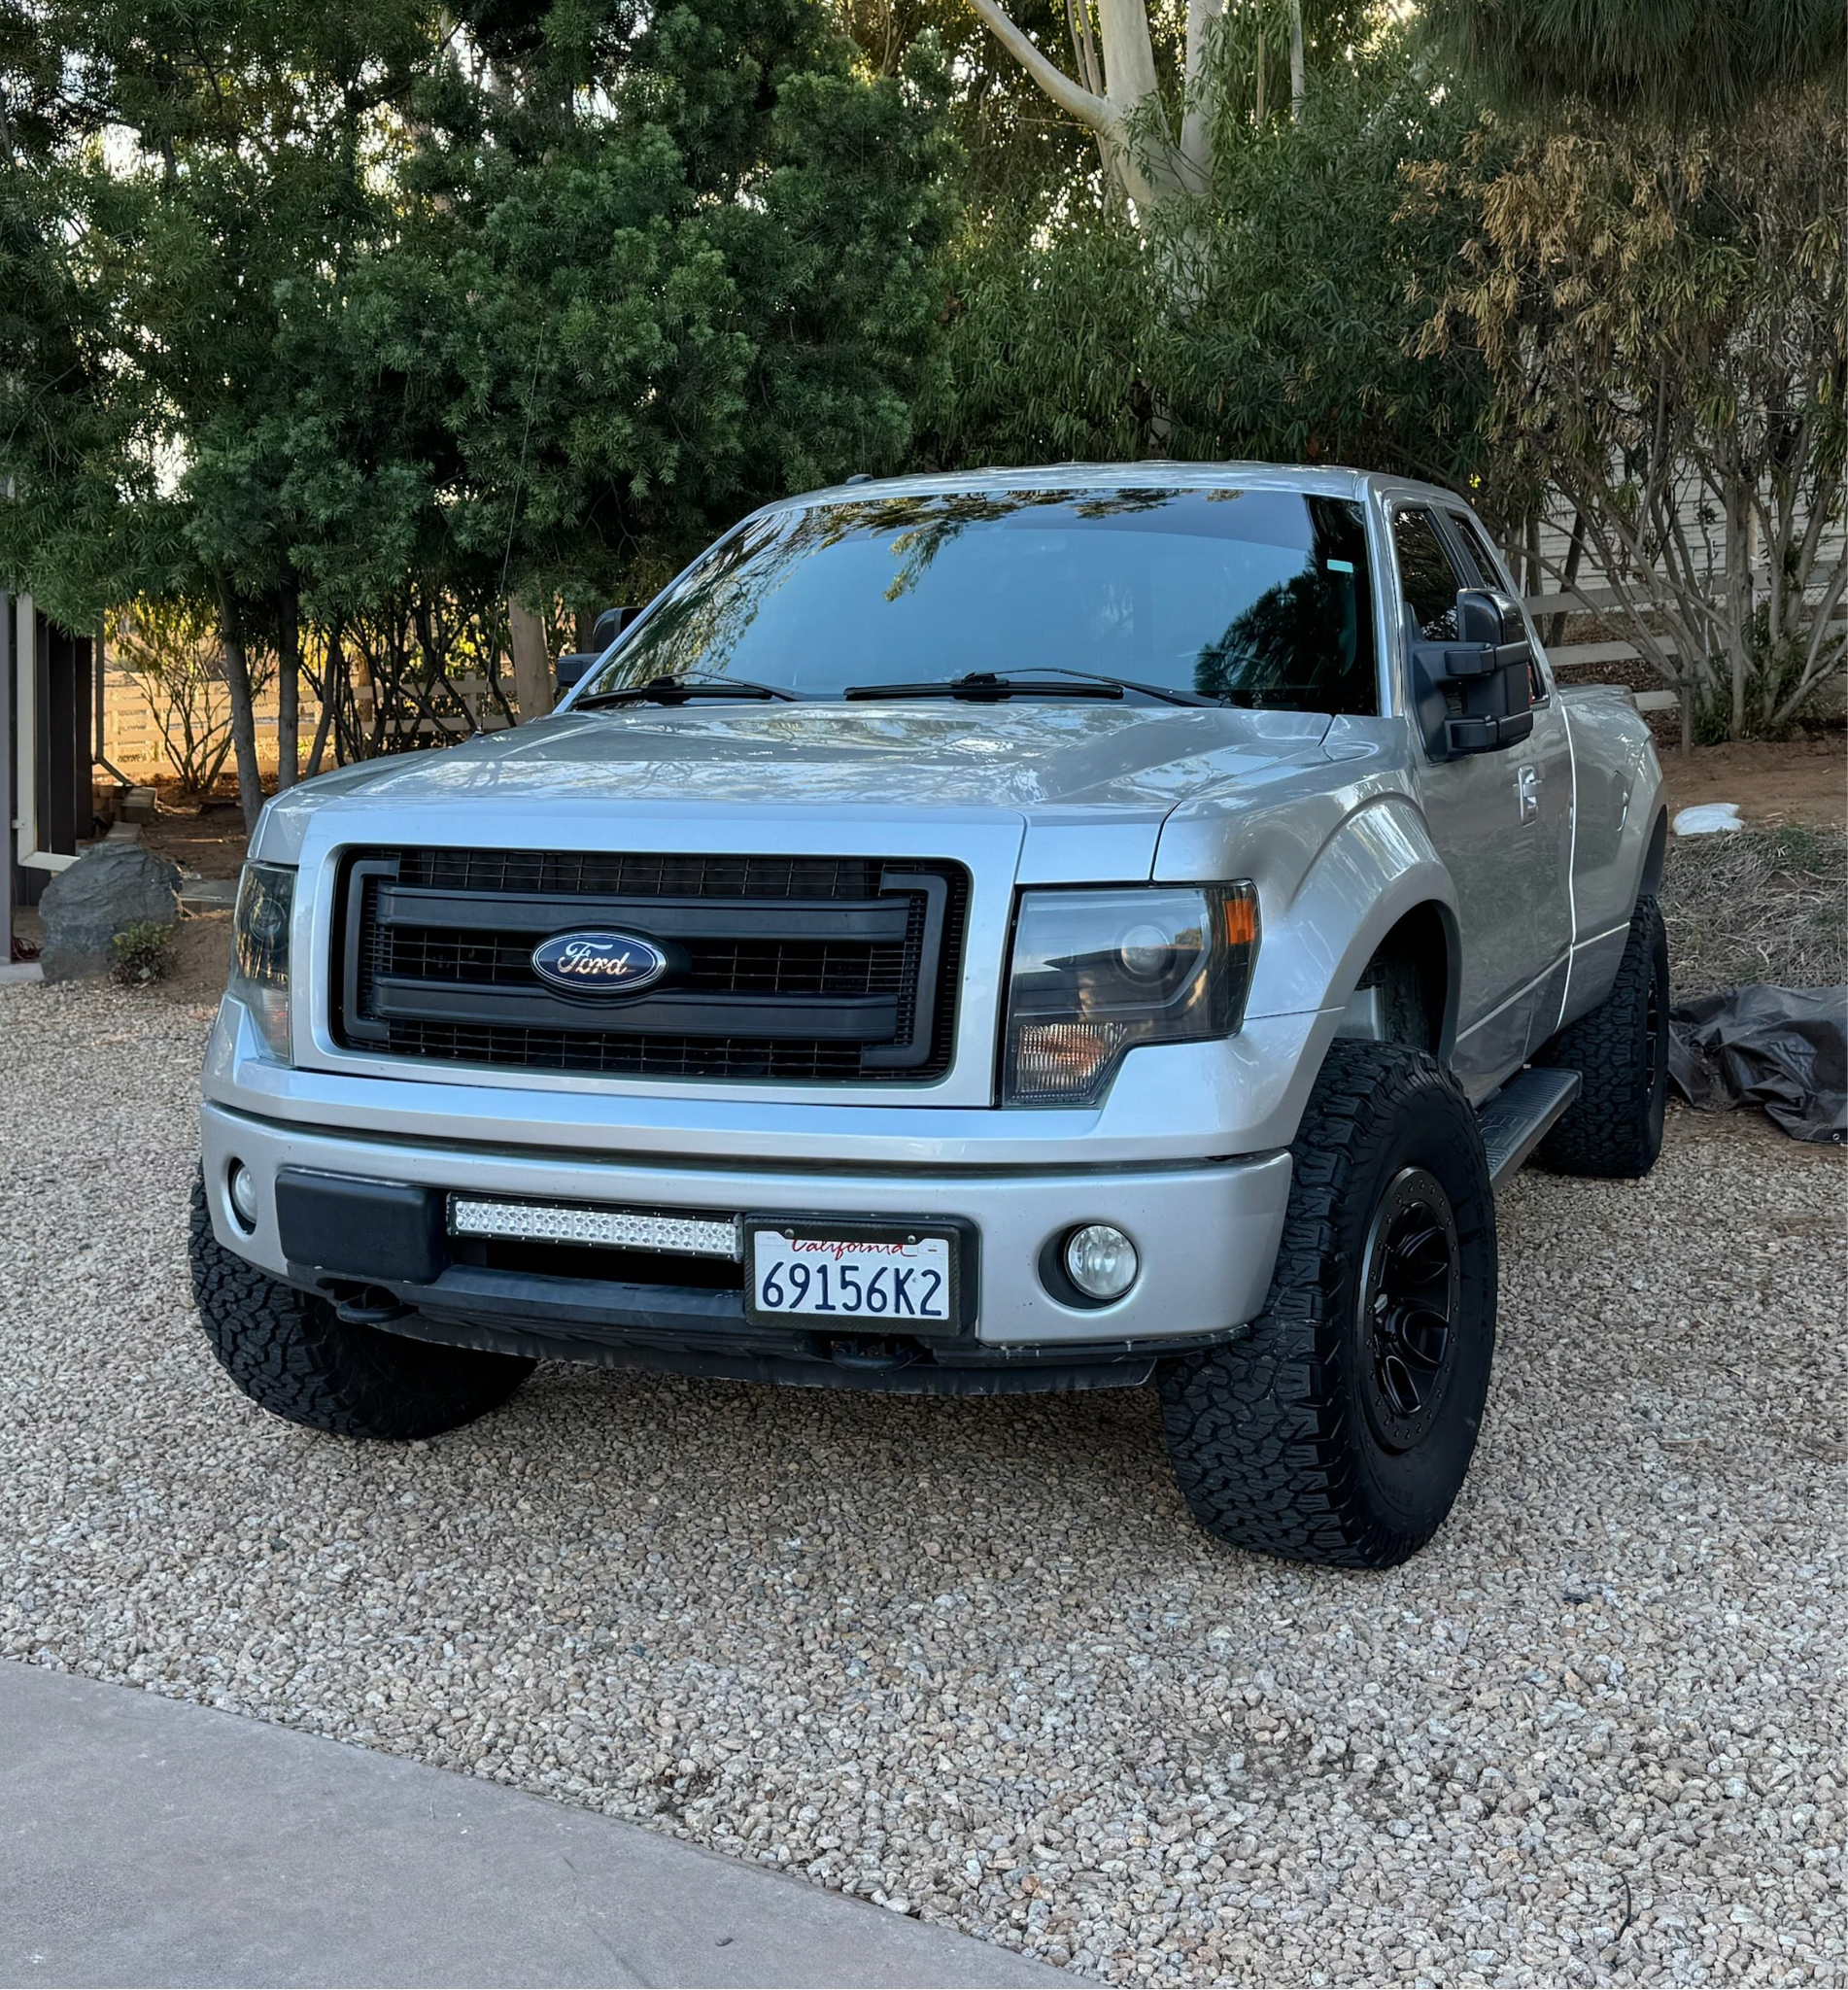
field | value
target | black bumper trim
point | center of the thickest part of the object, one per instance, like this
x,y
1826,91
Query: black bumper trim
x,y
740,1362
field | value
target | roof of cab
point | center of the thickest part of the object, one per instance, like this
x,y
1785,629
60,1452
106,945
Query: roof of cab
x,y
1326,481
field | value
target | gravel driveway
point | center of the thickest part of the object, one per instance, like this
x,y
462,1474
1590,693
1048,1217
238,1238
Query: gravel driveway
x,y
969,1657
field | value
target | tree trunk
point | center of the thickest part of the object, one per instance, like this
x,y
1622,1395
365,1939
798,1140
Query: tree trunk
x,y
329,694
1299,82
531,662
288,693
237,675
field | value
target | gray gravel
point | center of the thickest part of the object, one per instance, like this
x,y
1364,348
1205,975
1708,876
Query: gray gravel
x,y
970,1660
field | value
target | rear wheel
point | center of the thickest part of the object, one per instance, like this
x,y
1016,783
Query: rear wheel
x,y
1340,1429
1613,1129
290,1352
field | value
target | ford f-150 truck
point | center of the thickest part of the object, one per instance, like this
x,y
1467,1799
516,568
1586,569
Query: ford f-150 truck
x,y
1031,930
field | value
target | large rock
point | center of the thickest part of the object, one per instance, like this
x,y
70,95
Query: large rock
x,y
111,887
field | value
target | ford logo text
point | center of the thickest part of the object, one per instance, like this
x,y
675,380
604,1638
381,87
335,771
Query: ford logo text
x,y
599,962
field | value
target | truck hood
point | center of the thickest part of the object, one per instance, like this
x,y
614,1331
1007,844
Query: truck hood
x,y
1114,771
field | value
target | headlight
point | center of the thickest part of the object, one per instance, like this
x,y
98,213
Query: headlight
x,y
1096,972
260,950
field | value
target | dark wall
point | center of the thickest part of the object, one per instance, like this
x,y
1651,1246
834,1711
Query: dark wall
x,y
66,696
62,694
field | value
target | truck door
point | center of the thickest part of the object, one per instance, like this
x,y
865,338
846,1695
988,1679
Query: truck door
x,y
1547,781
1488,816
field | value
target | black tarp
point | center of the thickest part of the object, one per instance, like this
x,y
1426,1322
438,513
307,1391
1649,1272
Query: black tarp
x,y
1783,1048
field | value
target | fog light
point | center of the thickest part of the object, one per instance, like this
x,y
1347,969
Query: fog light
x,y
242,1188
1101,1262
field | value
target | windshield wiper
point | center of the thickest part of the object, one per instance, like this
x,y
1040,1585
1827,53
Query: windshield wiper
x,y
1165,692
678,690
985,687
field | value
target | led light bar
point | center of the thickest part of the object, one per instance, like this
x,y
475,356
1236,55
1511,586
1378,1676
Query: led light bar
x,y
617,1229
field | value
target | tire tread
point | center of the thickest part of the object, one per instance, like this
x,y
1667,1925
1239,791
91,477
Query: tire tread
x,y
292,1355
1609,1133
1258,1430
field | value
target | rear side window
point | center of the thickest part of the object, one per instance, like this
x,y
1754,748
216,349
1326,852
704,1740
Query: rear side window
x,y
1429,577
1486,564
1488,567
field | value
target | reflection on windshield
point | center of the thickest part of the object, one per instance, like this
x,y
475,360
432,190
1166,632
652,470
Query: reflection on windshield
x,y
1253,598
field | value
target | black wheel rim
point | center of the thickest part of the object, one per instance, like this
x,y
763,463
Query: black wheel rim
x,y
1410,1289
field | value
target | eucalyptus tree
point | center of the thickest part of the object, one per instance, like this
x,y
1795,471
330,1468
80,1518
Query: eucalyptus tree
x,y
1273,315
1149,84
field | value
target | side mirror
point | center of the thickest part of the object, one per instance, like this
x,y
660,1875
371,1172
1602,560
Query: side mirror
x,y
609,625
1474,693
574,665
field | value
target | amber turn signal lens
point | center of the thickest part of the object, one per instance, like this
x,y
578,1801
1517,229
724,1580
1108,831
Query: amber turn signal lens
x,y
1240,911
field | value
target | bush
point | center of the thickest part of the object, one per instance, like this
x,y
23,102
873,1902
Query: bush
x,y
143,953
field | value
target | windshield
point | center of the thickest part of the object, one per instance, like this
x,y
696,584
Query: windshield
x,y
1253,598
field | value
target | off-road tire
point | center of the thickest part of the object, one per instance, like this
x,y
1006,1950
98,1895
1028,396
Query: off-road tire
x,y
291,1353
1613,1129
1276,1438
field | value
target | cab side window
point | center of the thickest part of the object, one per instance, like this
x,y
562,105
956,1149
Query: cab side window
x,y
1471,534
1427,577
1491,570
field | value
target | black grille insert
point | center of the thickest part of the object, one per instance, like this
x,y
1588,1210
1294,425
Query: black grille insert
x,y
788,969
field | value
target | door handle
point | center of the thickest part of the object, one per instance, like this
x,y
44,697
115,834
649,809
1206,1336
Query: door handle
x,y
1527,785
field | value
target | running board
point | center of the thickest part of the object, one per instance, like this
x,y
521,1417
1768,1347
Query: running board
x,y
1520,1116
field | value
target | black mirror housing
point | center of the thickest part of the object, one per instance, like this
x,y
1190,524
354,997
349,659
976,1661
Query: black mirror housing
x,y
1474,695
609,625
575,663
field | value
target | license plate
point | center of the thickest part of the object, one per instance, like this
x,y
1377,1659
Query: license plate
x,y
901,1279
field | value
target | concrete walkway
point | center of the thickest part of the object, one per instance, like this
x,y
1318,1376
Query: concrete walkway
x,y
148,1841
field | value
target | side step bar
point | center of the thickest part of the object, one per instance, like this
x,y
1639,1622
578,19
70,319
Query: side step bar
x,y
1516,1119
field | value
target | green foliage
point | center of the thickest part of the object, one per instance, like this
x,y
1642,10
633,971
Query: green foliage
x,y
143,952
1270,318
1671,58
1663,316
354,304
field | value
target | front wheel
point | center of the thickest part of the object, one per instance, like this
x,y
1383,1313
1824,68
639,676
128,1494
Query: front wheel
x,y
290,1353
1340,1427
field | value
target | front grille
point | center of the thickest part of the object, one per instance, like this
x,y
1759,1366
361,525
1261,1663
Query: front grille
x,y
785,969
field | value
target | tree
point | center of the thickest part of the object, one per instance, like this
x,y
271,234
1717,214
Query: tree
x,y
1664,318
80,526
1272,316
1670,59
1155,102
374,318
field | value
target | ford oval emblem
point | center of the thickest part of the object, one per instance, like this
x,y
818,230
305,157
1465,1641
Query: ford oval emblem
x,y
599,962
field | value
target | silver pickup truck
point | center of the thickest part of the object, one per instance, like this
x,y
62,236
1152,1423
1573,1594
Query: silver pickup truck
x,y
1044,929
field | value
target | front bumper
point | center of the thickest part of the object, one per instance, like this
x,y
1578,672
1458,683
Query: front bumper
x,y
1207,1232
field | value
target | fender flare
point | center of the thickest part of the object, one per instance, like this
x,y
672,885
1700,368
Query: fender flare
x,y
1375,868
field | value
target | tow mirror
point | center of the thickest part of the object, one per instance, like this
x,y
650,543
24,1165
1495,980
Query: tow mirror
x,y
609,625
1474,693
574,665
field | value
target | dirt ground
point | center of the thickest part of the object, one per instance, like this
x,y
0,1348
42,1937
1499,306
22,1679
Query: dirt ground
x,y
201,960
1796,780
205,838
